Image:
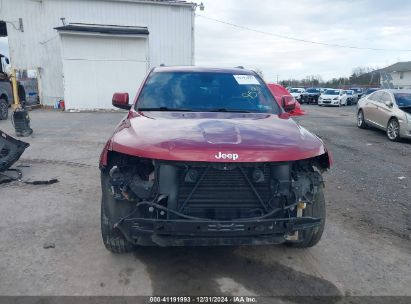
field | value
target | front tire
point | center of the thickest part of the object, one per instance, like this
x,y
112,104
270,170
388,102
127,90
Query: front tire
x,y
393,130
360,120
4,109
310,237
112,211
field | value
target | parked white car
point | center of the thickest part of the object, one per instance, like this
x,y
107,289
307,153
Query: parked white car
x,y
352,97
297,93
333,97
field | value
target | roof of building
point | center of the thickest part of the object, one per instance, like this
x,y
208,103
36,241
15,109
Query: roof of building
x,y
103,29
398,67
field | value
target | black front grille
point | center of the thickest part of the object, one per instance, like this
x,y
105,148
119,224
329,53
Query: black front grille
x,y
223,194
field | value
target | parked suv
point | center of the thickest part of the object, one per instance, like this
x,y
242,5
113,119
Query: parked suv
x,y
207,157
311,95
6,93
388,110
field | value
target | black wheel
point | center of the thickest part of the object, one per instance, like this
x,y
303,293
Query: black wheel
x,y
4,109
112,211
393,130
310,237
360,120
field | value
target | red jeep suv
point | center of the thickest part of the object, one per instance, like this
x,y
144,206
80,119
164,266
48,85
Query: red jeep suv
x,y
206,156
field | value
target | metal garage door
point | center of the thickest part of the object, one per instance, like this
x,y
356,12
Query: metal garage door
x,y
97,65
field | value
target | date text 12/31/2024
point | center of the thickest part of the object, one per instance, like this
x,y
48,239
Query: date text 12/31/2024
x,y
204,299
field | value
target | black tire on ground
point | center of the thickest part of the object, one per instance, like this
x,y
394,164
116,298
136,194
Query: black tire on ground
x,y
393,130
312,236
111,211
4,109
360,120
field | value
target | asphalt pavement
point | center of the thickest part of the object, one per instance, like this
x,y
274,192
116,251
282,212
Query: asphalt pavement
x,y
365,248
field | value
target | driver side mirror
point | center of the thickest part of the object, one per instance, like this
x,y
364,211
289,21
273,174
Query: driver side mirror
x,y
6,60
121,101
388,103
288,102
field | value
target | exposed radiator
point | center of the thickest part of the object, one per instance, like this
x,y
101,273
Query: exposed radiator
x,y
224,194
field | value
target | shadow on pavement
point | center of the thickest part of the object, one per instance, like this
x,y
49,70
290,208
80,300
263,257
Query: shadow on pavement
x,y
195,271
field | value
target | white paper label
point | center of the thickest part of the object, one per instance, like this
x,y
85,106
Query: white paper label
x,y
246,79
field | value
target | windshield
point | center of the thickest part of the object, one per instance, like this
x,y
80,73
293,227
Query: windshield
x,y
369,91
313,91
349,92
332,92
295,91
205,92
403,99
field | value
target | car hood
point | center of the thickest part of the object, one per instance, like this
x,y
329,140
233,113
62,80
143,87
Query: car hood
x,y
329,96
187,136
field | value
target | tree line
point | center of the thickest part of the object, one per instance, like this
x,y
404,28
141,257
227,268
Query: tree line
x,y
360,76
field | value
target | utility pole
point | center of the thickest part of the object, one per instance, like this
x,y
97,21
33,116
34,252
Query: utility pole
x,y
277,78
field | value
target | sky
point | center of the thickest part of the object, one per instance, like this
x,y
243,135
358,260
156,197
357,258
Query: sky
x,y
362,23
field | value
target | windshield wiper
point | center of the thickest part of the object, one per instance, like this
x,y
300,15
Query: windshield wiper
x,y
165,109
229,110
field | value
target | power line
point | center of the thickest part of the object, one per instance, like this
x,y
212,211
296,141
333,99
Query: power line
x,y
302,40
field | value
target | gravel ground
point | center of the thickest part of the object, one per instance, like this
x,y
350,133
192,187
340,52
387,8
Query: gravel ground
x,y
365,249
371,178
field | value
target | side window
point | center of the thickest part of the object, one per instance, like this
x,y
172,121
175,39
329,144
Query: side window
x,y
375,96
385,97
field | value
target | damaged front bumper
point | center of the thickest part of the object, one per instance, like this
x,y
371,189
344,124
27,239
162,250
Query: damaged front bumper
x,y
10,150
183,232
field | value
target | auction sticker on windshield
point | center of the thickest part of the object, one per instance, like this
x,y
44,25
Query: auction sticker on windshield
x,y
246,79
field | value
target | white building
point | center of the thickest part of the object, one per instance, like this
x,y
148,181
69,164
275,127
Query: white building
x,y
396,76
84,50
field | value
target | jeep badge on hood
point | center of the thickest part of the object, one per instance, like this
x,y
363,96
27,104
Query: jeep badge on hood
x,y
232,156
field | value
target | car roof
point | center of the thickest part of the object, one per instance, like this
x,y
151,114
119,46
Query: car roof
x,y
397,90
191,68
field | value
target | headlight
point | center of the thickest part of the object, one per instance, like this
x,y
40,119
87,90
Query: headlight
x,y
320,98
336,98
408,116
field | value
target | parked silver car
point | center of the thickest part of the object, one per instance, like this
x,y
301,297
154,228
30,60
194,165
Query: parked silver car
x,y
389,110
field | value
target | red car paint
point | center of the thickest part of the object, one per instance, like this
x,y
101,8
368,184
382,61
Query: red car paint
x,y
202,136
278,91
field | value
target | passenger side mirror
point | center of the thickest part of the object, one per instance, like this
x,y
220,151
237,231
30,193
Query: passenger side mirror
x,y
121,101
388,103
288,103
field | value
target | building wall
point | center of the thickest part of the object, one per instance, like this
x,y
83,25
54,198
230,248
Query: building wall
x,y
404,83
38,47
